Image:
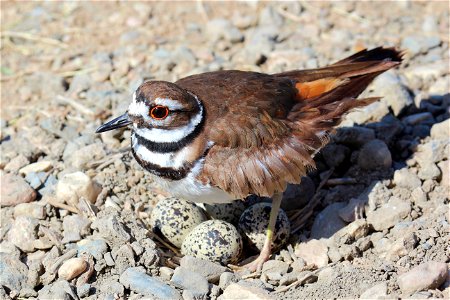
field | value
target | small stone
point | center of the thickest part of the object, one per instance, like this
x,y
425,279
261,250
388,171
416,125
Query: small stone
x,y
354,136
207,269
13,273
402,247
353,231
75,227
166,273
432,151
296,196
72,267
97,248
73,186
429,171
136,280
123,257
23,232
328,222
112,229
444,166
34,210
378,291
426,276
81,157
441,131
57,290
187,279
389,86
418,196
404,178
83,290
389,214
335,154
275,267
108,259
16,163
375,155
237,291
40,166
354,210
15,190
217,29
228,278
418,118
314,252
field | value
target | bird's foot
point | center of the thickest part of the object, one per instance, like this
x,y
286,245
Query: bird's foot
x,y
255,265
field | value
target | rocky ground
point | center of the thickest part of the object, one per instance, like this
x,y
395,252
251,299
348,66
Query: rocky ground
x,y
372,221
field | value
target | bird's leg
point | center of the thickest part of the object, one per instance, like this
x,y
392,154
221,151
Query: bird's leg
x,y
266,251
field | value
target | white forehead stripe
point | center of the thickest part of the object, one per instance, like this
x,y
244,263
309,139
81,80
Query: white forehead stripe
x,y
138,109
170,103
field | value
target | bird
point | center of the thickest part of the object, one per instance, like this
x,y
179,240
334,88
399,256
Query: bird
x,y
221,136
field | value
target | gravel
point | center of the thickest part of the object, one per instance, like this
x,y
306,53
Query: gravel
x,y
69,195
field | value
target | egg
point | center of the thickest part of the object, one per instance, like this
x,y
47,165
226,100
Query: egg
x,y
175,218
214,240
228,212
253,225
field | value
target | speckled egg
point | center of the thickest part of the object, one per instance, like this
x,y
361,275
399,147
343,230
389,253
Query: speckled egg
x,y
214,240
253,225
228,212
175,218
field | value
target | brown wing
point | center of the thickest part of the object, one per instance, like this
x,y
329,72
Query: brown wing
x,y
265,128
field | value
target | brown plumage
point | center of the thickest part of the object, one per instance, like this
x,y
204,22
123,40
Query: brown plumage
x,y
266,128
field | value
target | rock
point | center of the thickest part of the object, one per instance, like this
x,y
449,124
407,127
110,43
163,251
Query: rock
x,y
123,257
139,282
217,29
416,44
36,179
432,151
111,229
83,290
388,214
270,17
444,166
441,131
353,210
378,291
275,269
73,186
354,136
34,210
314,252
429,171
375,155
14,190
75,227
328,222
402,247
13,273
296,196
227,278
58,290
16,163
388,86
334,154
404,178
97,248
81,157
426,276
71,268
352,232
166,272
207,269
40,166
418,118
23,232
187,279
240,292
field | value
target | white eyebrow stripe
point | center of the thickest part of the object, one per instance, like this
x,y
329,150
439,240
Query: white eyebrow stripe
x,y
170,103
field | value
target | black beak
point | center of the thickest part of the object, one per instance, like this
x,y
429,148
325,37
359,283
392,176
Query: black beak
x,y
119,122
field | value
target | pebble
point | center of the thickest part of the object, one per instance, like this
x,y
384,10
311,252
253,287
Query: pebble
x,y
228,278
441,131
255,220
314,252
444,166
139,282
72,267
429,171
207,269
402,247
83,290
354,136
296,196
418,118
13,273
378,291
74,186
328,222
190,280
83,156
404,178
217,29
175,219
23,232
426,276
353,232
40,166
16,163
388,214
166,273
237,291
375,155
335,154
36,179
214,240
75,227
15,190
432,151
354,209
97,247
34,210
389,86
58,290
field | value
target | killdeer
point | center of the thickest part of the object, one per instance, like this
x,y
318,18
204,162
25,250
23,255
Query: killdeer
x,y
220,136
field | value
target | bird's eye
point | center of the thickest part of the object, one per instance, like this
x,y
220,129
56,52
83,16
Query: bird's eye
x,y
159,112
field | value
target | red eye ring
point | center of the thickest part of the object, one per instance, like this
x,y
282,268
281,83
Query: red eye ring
x,y
159,112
